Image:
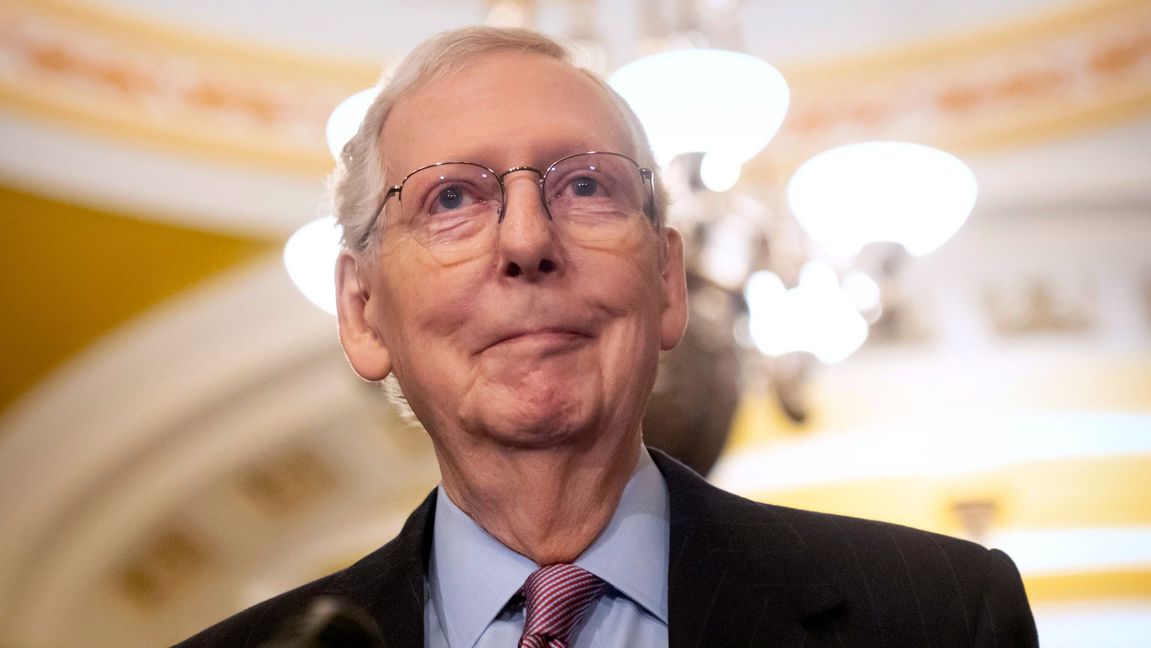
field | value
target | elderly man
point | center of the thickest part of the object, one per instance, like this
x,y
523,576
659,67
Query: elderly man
x,y
506,260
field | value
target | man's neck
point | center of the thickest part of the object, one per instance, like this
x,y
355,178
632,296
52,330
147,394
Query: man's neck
x,y
548,505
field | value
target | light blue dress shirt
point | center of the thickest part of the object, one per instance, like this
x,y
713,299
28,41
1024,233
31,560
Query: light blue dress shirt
x,y
472,576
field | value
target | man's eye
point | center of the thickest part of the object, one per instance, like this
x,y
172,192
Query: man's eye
x,y
450,198
585,186
455,199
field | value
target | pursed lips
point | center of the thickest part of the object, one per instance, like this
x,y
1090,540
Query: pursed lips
x,y
543,335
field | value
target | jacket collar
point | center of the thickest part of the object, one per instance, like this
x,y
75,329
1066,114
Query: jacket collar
x,y
738,574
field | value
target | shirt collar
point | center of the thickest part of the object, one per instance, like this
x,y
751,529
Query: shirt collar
x,y
472,575
632,552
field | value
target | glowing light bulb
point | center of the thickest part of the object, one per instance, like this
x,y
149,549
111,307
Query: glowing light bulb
x,y
719,173
817,316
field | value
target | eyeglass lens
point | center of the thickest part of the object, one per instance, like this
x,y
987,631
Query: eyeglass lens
x,y
455,207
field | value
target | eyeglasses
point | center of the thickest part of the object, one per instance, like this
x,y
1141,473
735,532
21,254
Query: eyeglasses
x,y
453,208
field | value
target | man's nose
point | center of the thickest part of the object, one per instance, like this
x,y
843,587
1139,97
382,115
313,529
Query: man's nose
x,y
528,246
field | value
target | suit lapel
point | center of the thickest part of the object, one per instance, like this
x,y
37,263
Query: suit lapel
x,y
389,583
737,574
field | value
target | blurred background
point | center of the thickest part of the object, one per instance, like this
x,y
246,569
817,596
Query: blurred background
x,y
951,332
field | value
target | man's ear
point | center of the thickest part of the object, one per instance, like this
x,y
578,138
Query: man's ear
x,y
674,319
362,342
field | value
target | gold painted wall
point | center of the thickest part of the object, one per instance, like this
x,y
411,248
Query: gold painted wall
x,y
70,273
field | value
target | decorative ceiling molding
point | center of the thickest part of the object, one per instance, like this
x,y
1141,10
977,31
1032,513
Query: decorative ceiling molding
x,y
1049,77
73,64
223,100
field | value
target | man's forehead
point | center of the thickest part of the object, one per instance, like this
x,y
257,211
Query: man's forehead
x,y
503,103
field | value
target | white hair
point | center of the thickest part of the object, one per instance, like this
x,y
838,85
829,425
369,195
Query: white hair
x,y
357,184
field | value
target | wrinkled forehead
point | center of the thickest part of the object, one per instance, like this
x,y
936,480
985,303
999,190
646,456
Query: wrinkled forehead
x,y
503,109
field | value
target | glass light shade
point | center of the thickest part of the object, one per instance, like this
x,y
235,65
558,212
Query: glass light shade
x,y
346,118
911,194
817,316
310,258
705,101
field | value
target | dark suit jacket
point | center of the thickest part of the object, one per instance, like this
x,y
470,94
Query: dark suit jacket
x,y
740,573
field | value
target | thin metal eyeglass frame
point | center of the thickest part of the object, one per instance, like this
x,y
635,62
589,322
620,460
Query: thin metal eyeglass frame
x,y
647,175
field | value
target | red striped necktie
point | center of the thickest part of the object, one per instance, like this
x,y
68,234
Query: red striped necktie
x,y
558,598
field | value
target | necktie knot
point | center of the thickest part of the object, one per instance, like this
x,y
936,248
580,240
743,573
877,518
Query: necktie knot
x,y
557,597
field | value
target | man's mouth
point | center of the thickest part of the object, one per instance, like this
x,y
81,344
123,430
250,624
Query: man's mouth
x,y
543,337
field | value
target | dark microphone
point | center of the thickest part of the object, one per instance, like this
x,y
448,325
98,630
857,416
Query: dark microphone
x,y
329,622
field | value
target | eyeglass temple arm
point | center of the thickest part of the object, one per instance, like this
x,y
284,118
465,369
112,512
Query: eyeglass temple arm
x,y
649,207
394,189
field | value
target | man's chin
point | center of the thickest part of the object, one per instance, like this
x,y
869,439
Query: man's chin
x,y
537,424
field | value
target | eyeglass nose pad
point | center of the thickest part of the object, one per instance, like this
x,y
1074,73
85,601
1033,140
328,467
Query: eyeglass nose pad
x,y
539,185
544,206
